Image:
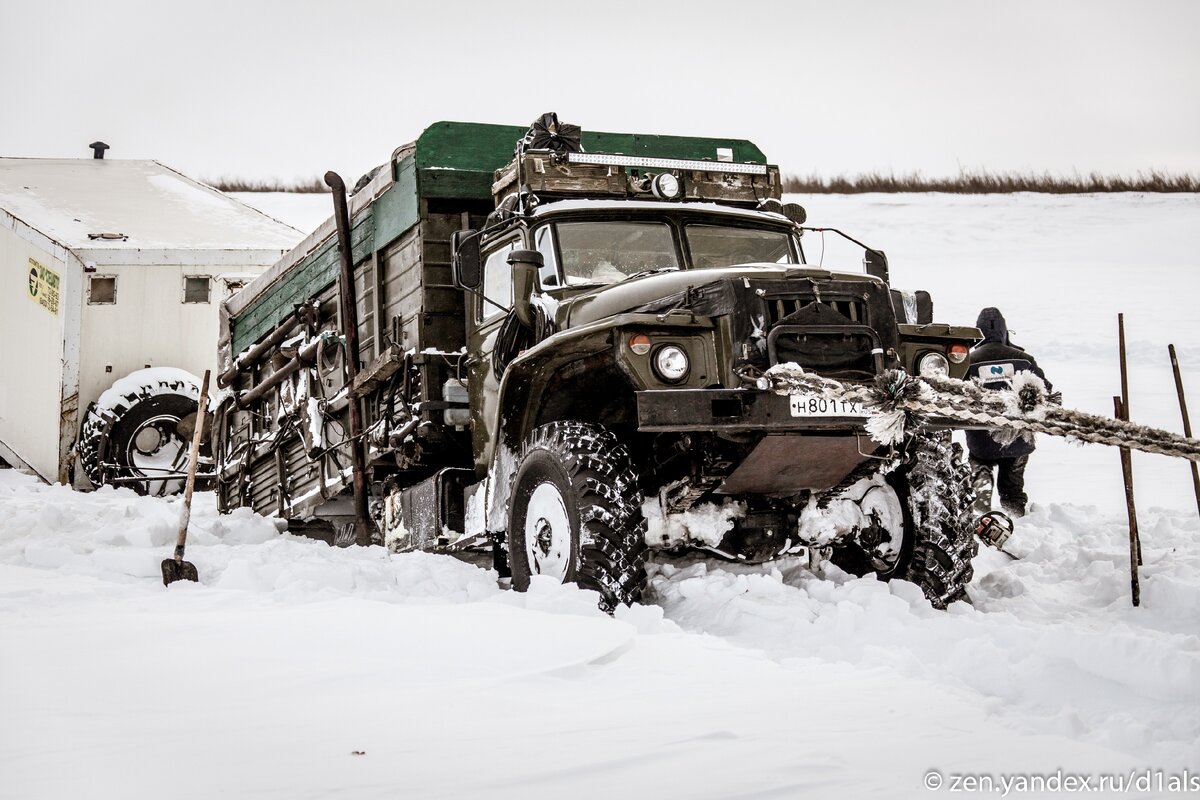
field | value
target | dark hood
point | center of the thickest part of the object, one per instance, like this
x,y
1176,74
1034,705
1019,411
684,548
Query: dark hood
x,y
634,294
991,323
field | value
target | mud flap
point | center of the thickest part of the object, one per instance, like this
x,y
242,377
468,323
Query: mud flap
x,y
420,516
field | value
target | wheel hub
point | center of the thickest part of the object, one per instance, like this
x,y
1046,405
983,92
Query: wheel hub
x,y
882,536
157,450
548,532
545,536
148,440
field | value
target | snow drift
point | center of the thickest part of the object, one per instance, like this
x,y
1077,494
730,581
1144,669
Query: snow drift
x,y
298,670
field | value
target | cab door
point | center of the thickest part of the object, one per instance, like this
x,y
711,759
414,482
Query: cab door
x,y
487,316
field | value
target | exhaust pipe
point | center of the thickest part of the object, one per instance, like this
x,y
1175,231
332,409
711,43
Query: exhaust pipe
x,y
363,529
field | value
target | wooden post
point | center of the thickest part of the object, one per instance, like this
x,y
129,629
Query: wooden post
x,y
1124,366
1134,545
1123,413
1187,425
189,485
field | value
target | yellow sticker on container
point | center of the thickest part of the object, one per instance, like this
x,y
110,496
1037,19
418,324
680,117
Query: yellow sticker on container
x,y
43,286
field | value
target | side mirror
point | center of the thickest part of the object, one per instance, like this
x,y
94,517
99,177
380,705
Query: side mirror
x,y
915,308
525,265
464,259
876,265
924,307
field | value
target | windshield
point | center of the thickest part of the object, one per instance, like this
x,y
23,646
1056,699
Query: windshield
x,y
721,246
609,251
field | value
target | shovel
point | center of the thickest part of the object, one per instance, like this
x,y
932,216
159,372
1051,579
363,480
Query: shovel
x,y
176,569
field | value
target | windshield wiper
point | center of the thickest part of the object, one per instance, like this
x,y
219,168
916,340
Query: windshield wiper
x,y
655,271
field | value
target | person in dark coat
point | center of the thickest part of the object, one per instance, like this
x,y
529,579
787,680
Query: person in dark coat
x,y
994,363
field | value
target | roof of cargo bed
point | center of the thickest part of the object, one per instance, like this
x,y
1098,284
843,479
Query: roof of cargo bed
x,y
459,159
450,160
141,205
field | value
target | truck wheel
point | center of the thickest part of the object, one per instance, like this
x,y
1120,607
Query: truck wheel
x,y
132,431
575,513
939,498
935,496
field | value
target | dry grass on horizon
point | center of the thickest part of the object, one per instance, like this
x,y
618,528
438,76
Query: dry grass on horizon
x,y
983,182
299,186
966,182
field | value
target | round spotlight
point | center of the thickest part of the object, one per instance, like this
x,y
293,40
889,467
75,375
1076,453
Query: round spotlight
x,y
665,186
933,365
958,353
671,363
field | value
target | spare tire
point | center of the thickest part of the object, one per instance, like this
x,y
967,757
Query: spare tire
x,y
132,436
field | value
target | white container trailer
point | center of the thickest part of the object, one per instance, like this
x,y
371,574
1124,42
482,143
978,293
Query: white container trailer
x,y
113,274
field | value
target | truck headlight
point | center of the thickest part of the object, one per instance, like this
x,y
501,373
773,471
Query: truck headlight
x,y
665,186
671,363
933,365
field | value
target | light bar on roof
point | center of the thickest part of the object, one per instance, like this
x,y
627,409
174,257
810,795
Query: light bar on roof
x,y
606,160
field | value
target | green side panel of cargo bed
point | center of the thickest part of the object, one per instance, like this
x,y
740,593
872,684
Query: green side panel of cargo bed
x,y
458,159
396,209
390,215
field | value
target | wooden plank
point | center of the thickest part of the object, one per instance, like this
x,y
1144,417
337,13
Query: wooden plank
x,y
379,371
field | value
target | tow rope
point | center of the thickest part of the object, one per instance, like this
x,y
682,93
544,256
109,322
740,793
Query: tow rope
x,y
898,403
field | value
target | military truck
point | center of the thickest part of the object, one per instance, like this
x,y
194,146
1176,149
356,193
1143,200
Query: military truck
x,y
547,344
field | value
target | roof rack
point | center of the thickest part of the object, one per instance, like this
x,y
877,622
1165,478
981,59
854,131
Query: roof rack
x,y
546,175
459,159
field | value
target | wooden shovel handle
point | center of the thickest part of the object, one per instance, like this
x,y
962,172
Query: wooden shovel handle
x,y
190,486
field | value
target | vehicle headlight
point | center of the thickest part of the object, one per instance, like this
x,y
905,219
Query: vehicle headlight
x,y
671,363
665,186
933,365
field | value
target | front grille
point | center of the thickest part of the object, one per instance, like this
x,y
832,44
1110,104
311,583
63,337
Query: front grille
x,y
780,308
830,336
848,353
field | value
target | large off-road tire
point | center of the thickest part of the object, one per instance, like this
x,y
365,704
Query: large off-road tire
x,y
934,490
132,431
575,513
938,498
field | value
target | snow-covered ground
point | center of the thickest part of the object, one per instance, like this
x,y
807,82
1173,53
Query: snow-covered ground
x,y
296,670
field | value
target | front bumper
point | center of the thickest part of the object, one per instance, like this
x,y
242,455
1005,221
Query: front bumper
x,y
731,410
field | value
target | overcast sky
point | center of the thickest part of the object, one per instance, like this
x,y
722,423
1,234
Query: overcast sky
x,y
288,89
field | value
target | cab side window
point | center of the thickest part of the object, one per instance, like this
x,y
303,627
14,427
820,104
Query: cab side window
x,y
497,281
544,244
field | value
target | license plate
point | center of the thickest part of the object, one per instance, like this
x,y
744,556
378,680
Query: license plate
x,y
811,405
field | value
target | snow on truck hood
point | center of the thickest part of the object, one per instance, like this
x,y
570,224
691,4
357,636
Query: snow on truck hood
x,y
609,204
629,294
